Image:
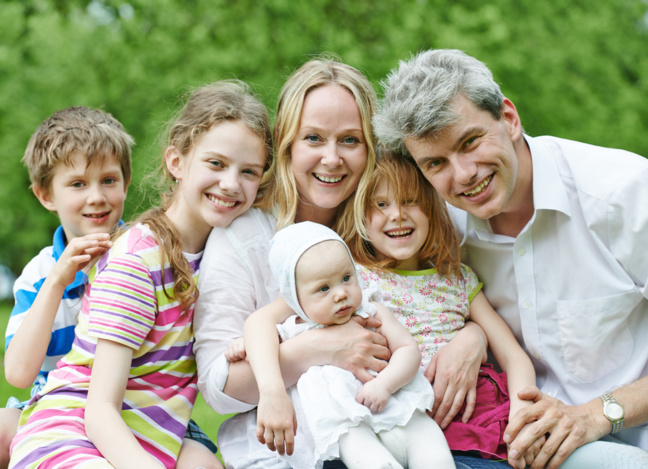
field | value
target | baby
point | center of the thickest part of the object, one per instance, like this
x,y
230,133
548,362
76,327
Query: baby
x,y
380,424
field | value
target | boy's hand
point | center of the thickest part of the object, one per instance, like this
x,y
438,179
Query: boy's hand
x,y
235,350
276,422
373,395
78,254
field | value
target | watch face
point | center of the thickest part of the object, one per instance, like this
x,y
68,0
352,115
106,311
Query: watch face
x,y
614,411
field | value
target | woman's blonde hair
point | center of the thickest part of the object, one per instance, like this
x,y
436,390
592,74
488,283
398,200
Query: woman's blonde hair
x,y
408,186
282,190
204,108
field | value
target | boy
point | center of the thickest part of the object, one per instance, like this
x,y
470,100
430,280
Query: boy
x,y
79,163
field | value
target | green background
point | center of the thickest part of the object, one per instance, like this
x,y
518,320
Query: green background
x,y
574,68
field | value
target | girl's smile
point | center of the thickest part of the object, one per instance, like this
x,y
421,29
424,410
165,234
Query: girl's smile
x,y
397,230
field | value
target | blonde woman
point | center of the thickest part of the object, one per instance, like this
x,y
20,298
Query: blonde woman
x,y
324,149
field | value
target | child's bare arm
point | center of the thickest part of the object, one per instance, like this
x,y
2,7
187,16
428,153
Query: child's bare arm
x,y
276,420
28,347
103,421
403,364
508,353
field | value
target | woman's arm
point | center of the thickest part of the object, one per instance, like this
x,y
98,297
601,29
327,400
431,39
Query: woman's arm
x,y
403,365
28,347
235,280
104,424
276,419
350,346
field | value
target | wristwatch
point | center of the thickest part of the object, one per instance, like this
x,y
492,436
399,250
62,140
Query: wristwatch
x,y
613,411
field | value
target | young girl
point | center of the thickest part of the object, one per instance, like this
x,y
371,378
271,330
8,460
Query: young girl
x,y
123,396
370,421
408,249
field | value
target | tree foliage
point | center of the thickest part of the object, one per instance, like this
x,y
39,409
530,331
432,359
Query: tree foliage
x,y
576,69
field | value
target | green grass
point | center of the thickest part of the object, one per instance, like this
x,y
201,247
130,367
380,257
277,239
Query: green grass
x,y
208,420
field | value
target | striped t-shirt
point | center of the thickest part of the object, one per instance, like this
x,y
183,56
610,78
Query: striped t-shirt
x,y
125,303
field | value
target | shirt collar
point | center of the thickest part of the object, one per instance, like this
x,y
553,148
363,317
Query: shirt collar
x,y
59,242
549,191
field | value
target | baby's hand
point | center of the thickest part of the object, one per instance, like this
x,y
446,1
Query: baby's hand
x,y
373,395
276,422
235,350
78,254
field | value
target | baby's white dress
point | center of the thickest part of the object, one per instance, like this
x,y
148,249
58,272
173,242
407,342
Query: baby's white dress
x,y
325,405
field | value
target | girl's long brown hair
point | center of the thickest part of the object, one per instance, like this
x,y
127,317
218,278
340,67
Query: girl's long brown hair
x,y
408,185
205,107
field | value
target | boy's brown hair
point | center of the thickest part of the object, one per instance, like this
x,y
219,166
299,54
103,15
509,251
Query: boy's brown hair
x,y
79,129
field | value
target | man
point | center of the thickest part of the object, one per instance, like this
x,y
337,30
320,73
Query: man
x,y
557,232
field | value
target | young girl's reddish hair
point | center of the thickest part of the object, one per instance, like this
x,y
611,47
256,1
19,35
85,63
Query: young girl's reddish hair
x,y
408,186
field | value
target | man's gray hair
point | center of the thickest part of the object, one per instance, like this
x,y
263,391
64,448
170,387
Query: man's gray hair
x,y
419,95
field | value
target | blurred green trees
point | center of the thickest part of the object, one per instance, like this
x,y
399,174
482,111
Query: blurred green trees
x,y
576,69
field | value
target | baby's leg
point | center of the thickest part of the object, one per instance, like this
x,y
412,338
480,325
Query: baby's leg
x,y
8,425
360,448
422,441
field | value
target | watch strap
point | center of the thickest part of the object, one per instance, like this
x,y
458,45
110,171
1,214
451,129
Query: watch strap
x,y
617,425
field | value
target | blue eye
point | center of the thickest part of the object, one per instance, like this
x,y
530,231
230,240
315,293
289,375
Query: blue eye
x,y
312,138
381,204
110,181
351,140
77,184
346,278
217,163
325,288
250,172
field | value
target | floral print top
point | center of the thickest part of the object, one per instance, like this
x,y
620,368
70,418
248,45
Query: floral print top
x,y
431,306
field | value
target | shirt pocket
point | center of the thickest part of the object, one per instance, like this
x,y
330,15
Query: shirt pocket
x,y
595,336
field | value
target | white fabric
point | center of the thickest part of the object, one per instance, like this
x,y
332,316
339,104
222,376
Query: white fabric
x,y
235,280
573,285
286,247
327,408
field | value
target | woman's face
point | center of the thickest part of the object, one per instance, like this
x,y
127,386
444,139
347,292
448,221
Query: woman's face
x,y
329,153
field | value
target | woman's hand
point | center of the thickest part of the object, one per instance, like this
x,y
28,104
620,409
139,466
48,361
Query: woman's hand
x,y
354,347
276,422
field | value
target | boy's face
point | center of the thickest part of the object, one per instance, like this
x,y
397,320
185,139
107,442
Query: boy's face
x,y
86,199
327,286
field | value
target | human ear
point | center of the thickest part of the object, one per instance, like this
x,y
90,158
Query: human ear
x,y
44,197
174,160
511,119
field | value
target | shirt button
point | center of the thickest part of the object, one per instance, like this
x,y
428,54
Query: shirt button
x,y
526,305
521,252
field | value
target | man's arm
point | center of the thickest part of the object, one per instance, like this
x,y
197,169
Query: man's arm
x,y
453,372
570,427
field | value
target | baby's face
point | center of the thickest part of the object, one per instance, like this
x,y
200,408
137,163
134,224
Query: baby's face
x,y
327,286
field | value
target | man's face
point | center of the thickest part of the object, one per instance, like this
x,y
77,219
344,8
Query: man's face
x,y
472,163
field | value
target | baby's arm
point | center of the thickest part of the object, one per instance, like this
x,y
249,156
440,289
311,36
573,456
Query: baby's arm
x,y
506,350
403,364
28,347
276,420
103,421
